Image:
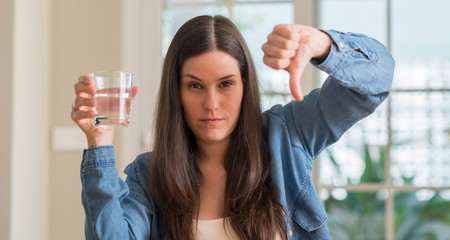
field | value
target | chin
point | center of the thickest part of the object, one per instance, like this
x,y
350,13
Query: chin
x,y
214,138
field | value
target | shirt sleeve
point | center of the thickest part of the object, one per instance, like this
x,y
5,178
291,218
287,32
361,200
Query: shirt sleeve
x,y
114,209
360,76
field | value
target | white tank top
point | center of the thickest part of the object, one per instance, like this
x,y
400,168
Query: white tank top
x,y
214,229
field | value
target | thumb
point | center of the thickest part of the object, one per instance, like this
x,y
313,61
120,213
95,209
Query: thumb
x,y
296,69
134,91
294,83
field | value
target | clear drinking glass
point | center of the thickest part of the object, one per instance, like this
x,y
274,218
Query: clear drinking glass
x,y
113,97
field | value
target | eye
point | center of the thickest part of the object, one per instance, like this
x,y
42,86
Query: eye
x,y
194,85
225,84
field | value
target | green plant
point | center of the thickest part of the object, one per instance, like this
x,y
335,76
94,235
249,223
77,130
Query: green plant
x,y
361,215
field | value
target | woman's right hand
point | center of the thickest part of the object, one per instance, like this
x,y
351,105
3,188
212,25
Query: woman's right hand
x,y
83,112
291,47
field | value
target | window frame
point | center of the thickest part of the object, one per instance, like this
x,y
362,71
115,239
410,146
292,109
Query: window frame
x,y
387,185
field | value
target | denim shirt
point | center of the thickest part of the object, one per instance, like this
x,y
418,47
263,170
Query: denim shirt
x,y
360,75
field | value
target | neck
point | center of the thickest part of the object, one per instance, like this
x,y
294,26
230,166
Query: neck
x,y
211,153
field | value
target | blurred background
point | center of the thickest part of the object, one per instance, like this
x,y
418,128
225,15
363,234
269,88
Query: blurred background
x,y
387,178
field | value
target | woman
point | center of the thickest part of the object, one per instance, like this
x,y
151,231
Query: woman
x,y
219,164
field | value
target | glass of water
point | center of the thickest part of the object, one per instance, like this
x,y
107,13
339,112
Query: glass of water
x,y
113,97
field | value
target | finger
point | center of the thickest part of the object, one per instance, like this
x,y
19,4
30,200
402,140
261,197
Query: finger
x,y
84,86
84,90
134,91
80,115
296,70
295,86
86,80
276,63
282,42
288,31
273,51
81,103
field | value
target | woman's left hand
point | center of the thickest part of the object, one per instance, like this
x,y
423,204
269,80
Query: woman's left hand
x,y
291,47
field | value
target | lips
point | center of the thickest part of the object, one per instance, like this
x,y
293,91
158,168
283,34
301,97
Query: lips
x,y
211,120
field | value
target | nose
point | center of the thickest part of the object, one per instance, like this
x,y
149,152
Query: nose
x,y
211,102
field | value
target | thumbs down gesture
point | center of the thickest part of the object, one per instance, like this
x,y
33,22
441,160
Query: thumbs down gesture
x,y
291,47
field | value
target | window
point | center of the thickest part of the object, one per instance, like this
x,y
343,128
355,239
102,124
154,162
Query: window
x,y
389,173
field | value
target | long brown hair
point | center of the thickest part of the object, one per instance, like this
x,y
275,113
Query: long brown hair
x,y
251,202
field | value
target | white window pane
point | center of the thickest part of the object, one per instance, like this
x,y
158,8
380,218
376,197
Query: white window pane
x,y
360,155
421,72
421,29
420,121
174,17
361,16
420,38
420,151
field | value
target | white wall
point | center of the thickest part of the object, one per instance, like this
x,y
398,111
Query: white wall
x,y
29,204
44,46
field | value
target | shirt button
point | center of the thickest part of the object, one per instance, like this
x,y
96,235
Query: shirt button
x,y
341,44
290,233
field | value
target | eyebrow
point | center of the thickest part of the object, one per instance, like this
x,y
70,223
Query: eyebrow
x,y
222,78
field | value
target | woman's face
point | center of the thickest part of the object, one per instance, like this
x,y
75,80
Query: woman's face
x,y
211,95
